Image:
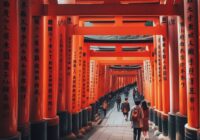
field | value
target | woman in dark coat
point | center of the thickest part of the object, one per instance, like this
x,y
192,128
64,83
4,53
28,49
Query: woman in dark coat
x,y
145,109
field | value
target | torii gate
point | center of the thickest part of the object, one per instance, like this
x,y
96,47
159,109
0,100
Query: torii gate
x,y
43,33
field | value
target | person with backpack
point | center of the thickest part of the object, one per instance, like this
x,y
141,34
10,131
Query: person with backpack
x,y
125,108
118,101
136,118
145,120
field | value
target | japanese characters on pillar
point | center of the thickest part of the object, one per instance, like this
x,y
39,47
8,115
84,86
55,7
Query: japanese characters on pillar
x,y
50,66
62,64
159,72
145,77
105,78
92,81
150,83
110,81
36,107
74,75
85,85
9,45
74,63
96,81
25,63
79,45
155,61
138,81
101,81
165,67
191,42
76,70
147,81
182,67
69,33
88,76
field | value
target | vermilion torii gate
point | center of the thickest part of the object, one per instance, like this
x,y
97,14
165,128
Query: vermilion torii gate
x,y
50,81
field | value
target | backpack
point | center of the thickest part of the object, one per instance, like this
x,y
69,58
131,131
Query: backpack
x,y
136,114
125,110
125,107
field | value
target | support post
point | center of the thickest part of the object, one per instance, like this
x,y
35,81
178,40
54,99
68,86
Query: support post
x,y
181,116
25,69
173,72
192,69
9,49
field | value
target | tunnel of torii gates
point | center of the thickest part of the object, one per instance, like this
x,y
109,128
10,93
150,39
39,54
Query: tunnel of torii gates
x,y
51,81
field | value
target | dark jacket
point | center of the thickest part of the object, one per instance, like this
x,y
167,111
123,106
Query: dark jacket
x,y
118,100
125,107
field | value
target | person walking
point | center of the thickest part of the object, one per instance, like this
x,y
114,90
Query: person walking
x,y
145,120
105,107
125,108
136,118
118,101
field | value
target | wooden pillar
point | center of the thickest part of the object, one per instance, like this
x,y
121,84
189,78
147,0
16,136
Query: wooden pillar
x,y
165,77
50,75
61,103
155,119
85,90
70,96
76,77
25,68
181,116
191,42
79,91
9,48
153,83
38,124
92,83
159,83
85,87
173,76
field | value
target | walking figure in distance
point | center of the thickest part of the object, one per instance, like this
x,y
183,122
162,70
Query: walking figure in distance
x,y
118,101
136,118
125,108
105,107
145,127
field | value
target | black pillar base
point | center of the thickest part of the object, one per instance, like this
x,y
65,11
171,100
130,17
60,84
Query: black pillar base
x,y
151,114
156,117
85,117
172,126
159,121
180,126
89,114
39,130
17,137
93,111
25,131
80,119
164,118
62,123
81,128
69,123
191,133
70,134
53,129
75,125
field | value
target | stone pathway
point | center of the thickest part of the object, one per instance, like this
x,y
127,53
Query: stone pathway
x,y
114,126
